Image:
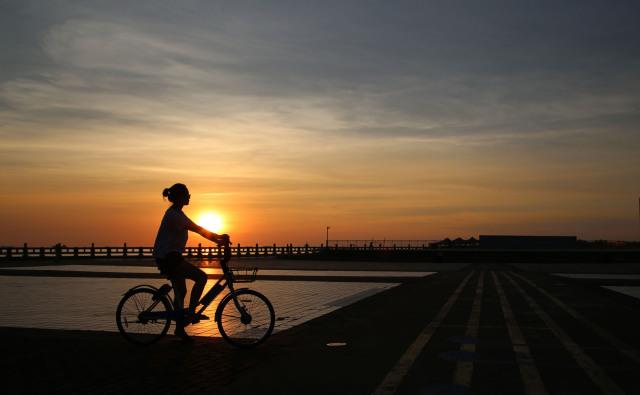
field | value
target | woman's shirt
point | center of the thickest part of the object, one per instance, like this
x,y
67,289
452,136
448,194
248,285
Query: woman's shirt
x,y
173,233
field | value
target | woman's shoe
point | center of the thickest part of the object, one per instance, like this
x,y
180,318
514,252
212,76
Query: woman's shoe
x,y
180,332
195,318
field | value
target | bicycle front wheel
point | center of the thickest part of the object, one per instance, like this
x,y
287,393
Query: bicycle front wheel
x,y
141,319
249,326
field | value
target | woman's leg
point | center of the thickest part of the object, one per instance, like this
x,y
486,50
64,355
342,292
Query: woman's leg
x,y
200,279
179,292
187,270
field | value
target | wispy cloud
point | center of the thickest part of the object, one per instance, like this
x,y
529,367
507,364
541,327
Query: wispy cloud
x,y
295,105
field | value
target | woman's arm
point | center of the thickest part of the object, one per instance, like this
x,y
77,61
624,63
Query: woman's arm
x,y
203,232
216,238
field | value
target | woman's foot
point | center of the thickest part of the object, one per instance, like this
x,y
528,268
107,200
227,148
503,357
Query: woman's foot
x,y
191,317
195,318
180,332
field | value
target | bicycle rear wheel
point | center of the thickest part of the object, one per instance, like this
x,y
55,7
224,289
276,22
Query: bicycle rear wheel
x,y
249,327
142,320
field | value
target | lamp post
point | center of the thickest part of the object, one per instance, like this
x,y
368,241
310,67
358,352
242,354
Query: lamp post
x,y
327,241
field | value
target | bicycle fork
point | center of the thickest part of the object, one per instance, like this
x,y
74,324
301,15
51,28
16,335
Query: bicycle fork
x,y
245,317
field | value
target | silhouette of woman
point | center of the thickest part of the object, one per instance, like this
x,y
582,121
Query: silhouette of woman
x,y
170,243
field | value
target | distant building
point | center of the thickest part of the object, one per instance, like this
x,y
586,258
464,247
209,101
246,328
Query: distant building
x,y
457,243
528,242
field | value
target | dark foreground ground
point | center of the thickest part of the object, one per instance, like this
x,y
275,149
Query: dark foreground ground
x,y
484,329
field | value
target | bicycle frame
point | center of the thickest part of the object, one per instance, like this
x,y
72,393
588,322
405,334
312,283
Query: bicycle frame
x,y
226,281
216,290
244,317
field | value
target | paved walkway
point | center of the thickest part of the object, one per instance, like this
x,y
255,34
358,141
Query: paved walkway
x,y
483,330
89,303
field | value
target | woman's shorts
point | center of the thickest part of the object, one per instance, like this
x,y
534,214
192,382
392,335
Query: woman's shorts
x,y
168,264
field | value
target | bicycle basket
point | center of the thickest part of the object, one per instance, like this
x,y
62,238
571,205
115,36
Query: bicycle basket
x,y
244,274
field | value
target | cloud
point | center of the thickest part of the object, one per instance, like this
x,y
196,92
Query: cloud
x,y
436,72
406,108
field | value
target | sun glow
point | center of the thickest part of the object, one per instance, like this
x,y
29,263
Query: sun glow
x,y
211,221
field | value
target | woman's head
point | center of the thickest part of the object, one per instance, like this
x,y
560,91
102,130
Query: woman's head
x,y
178,194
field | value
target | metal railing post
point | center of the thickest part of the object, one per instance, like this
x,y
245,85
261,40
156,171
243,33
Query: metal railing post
x,y
202,252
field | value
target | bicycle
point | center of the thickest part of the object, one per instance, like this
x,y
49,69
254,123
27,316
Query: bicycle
x,y
245,317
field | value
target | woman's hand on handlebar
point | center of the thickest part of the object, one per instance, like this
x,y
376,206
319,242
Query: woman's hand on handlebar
x,y
224,240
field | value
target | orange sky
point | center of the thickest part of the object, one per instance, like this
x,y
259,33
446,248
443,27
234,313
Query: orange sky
x,y
109,191
381,122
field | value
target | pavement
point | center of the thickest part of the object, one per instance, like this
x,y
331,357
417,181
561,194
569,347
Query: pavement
x,y
480,329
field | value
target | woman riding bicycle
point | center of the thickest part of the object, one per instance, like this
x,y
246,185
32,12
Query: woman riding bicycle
x,y
169,245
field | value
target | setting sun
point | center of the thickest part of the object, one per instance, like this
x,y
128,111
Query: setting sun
x,y
211,221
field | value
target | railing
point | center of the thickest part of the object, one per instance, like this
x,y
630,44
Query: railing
x,y
364,249
199,252
125,251
381,243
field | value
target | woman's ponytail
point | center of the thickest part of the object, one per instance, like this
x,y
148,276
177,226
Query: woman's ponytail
x,y
177,191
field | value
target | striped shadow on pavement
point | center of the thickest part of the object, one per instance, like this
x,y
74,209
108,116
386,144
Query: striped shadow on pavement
x,y
621,346
588,365
396,375
464,369
531,378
